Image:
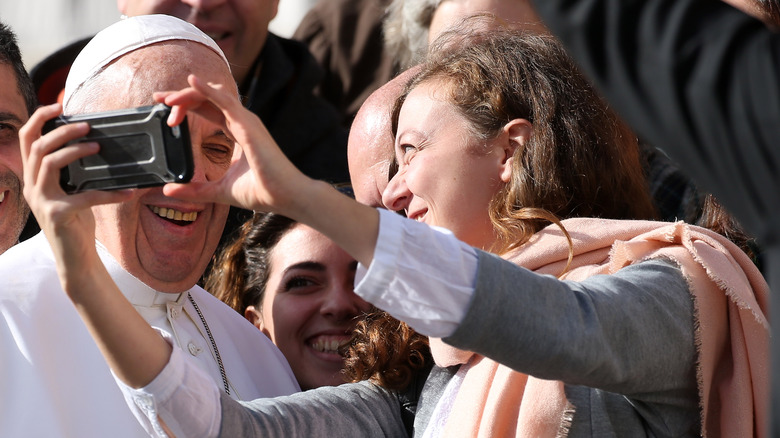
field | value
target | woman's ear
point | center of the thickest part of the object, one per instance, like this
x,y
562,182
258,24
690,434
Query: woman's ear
x,y
517,132
255,316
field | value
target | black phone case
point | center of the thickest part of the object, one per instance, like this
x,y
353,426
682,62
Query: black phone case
x,y
137,149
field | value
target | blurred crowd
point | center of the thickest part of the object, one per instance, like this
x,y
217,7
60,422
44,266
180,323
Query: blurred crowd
x,y
428,218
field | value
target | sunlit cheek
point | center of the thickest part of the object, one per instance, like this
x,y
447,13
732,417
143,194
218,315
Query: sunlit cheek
x,y
215,171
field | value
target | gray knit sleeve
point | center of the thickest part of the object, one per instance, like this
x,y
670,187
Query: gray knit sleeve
x,y
631,333
350,410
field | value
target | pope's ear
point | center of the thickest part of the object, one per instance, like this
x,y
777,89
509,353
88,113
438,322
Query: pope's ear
x,y
121,5
517,132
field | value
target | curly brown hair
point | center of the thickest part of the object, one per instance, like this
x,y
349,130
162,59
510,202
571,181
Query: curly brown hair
x,y
240,271
582,160
386,351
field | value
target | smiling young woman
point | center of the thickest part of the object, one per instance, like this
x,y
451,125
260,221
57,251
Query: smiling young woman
x,y
295,285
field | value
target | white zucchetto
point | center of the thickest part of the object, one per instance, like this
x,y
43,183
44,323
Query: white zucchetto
x,y
125,36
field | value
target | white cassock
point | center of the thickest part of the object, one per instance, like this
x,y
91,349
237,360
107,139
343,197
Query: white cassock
x,y
55,383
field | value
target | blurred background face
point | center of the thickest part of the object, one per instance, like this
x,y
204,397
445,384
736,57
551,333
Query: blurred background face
x,y
240,27
446,177
309,307
167,253
515,13
13,114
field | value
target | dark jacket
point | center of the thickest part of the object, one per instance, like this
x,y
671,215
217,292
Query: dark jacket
x,y
306,127
703,80
345,37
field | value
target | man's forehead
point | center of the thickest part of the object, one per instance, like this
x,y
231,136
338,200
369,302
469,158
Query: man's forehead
x,y
134,77
175,59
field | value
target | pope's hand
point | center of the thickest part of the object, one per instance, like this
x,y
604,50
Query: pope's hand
x,y
66,220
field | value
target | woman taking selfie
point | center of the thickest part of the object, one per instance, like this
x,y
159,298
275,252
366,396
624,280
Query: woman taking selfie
x,y
564,316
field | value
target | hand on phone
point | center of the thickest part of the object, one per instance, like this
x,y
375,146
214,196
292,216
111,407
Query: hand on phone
x,y
137,149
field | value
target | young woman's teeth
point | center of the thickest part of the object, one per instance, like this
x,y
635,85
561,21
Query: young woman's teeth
x,y
326,346
176,215
2,196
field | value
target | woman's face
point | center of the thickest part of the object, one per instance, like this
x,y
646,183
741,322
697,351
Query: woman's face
x,y
446,176
309,307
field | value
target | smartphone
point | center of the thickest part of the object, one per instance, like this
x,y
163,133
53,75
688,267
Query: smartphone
x,y
137,149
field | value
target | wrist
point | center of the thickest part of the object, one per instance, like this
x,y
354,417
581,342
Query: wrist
x,y
79,274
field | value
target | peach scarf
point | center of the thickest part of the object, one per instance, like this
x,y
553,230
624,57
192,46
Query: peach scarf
x,y
730,300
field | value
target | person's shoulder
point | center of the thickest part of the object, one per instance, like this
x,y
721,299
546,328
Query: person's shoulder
x,y
293,63
297,52
244,347
31,255
225,321
29,275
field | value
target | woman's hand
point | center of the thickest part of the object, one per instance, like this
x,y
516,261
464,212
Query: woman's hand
x,y
261,177
66,220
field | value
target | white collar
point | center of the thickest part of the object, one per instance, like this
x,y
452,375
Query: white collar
x,y
135,290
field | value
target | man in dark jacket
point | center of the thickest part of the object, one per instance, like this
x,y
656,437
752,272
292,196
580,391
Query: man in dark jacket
x,y
701,78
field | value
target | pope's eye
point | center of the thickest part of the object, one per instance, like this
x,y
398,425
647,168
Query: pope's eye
x,y
218,154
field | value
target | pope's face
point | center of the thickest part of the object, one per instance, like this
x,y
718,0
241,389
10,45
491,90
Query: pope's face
x,y
165,242
13,114
240,27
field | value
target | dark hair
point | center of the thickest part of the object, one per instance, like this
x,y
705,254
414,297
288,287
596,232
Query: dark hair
x,y
10,55
386,351
240,270
239,275
713,216
581,160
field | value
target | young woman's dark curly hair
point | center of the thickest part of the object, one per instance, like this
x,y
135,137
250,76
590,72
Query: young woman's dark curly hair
x,y
386,351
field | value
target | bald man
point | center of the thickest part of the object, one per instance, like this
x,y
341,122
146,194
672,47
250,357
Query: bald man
x,y
370,146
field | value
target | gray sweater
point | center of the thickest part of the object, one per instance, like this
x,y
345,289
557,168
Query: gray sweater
x,y
623,344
